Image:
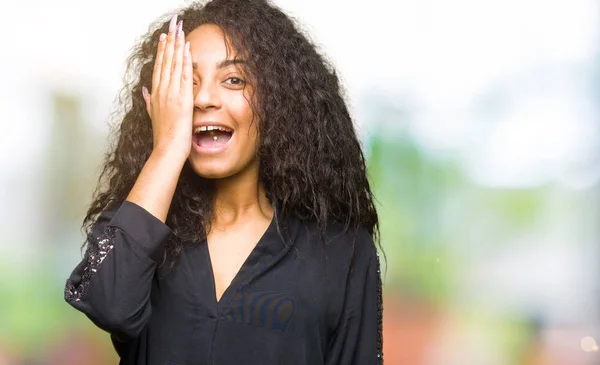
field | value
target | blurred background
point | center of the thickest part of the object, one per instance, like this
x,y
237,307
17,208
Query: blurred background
x,y
481,123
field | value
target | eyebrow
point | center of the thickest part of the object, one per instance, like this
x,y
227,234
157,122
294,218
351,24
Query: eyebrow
x,y
223,64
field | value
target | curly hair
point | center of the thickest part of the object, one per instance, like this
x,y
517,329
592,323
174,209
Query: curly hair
x,y
311,161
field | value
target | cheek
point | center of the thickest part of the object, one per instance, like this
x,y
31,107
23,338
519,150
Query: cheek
x,y
242,113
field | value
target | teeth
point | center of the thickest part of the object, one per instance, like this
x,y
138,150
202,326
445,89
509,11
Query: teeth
x,y
205,128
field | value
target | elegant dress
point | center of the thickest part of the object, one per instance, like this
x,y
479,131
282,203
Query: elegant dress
x,y
295,300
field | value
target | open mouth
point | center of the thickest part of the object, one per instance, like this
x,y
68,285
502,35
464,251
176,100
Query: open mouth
x,y
212,136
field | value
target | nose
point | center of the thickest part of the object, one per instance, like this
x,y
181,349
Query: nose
x,y
206,96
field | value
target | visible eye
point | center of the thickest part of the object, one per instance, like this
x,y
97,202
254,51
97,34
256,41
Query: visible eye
x,y
235,81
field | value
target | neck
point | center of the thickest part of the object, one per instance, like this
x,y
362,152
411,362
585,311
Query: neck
x,y
239,198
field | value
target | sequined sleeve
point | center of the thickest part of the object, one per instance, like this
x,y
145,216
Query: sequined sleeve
x,y
112,283
97,250
379,314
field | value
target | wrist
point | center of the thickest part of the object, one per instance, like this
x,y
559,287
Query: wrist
x,y
175,155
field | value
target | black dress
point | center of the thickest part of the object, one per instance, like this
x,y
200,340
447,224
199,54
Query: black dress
x,y
301,303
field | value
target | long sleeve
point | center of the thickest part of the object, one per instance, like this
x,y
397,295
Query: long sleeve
x,y
112,283
358,339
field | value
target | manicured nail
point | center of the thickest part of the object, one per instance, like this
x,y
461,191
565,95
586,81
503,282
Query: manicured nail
x,y
173,23
186,49
162,37
144,91
179,28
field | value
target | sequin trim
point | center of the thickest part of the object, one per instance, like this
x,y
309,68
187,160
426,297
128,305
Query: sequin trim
x,y
379,314
97,250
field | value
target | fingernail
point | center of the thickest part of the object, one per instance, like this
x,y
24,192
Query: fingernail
x,y
144,91
186,49
173,23
162,37
179,28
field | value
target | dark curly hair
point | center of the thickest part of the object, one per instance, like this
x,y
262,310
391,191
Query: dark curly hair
x,y
310,157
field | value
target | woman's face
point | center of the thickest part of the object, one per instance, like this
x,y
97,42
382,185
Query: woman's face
x,y
225,135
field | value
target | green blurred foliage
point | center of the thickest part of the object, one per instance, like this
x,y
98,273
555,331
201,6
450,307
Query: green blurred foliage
x,y
410,188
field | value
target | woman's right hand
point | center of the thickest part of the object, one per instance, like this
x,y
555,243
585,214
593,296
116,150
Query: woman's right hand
x,y
170,105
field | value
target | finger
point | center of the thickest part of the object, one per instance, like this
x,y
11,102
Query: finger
x,y
158,61
186,74
165,74
146,96
177,58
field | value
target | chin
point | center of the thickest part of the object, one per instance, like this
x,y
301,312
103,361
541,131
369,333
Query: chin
x,y
223,167
212,171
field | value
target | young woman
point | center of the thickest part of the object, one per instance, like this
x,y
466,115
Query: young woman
x,y
233,222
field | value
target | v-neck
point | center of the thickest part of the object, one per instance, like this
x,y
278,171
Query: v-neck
x,y
267,245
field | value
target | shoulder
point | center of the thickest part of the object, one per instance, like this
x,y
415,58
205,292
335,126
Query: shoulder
x,y
355,246
365,253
